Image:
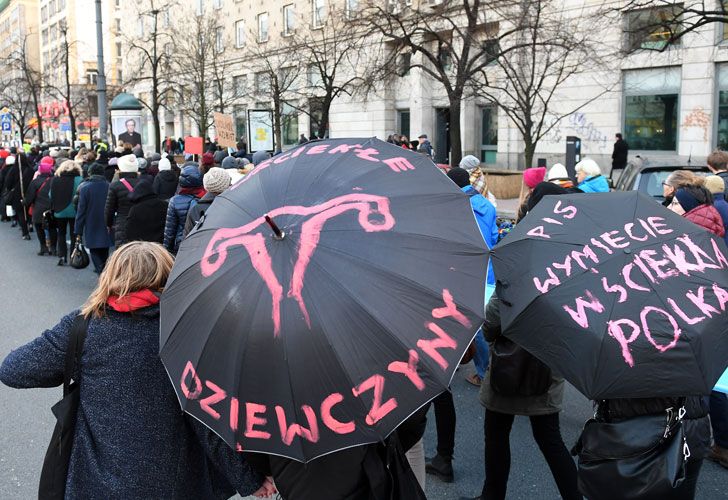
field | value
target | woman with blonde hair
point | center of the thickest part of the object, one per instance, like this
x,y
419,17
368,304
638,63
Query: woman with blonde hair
x,y
676,180
63,188
131,439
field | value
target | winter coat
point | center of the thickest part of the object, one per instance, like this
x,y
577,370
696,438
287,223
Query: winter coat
x,y
90,213
109,171
721,206
619,154
724,176
147,215
63,189
596,184
696,423
39,197
118,205
131,439
543,404
706,216
165,184
11,186
197,211
485,216
179,206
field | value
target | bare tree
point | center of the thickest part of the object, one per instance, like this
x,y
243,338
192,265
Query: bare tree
x,y
446,40
333,58
531,63
22,86
153,50
65,90
203,84
277,80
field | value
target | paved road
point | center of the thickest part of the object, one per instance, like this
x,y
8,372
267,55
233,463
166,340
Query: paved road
x,y
34,294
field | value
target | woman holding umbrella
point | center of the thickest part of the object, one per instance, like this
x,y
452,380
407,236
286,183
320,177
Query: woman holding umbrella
x,y
130,441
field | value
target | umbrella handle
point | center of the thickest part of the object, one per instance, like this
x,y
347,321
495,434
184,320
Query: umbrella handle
x,y
279,235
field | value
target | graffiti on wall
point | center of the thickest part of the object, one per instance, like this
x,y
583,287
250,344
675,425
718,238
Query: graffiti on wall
x,y
579,124
697,118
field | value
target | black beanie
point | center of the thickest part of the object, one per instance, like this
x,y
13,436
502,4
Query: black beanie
x,y
459,176
686,199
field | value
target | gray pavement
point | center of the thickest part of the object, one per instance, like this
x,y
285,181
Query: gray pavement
x,y
35,293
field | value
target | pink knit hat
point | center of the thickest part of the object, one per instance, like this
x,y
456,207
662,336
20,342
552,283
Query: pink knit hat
x,y
532,176
46,165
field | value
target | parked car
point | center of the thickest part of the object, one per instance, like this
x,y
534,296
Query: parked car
x,y
645,175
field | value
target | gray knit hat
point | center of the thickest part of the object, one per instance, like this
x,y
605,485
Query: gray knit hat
x,y
216,180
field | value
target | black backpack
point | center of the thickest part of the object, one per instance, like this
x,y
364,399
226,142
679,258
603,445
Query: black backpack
x,y
516,372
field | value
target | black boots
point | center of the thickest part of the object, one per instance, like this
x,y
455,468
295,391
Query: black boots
x,y
441,467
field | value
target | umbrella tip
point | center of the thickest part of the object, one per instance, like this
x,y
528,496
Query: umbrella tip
x,y
278,234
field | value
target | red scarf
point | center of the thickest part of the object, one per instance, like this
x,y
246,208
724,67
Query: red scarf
x,y
197,192
133,301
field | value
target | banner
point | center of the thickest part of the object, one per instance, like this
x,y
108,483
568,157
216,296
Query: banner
x,y
260,130
225,129
194,145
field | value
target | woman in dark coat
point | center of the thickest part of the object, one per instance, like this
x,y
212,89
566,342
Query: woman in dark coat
x,y
14,191
63,189
90,216
117,202
165,182
131,439
191,190
147,215
38,199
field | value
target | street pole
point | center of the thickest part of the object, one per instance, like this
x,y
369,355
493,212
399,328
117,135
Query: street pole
x,y
101,78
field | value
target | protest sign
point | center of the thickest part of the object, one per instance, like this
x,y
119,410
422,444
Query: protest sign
x,y
194,145
225,129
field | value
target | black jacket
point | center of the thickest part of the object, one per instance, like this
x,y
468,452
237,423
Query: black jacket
x,y
619,155
38,196
196,212
118,206
147,215
11,185
165,184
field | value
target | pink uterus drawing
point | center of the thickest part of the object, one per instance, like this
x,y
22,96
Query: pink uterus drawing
x,y
256,243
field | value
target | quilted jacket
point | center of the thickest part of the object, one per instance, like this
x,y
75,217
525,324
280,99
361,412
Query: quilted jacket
x,y
707,216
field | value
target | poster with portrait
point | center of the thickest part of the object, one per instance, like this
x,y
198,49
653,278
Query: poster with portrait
x,y
127,129
260,130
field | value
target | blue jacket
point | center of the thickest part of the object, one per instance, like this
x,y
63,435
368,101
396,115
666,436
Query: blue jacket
x,y
596,184
721,205
174,227
485,215
90,220
131,440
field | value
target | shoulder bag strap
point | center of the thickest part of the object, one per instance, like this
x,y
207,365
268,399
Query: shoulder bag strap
x,y
127,184
74,350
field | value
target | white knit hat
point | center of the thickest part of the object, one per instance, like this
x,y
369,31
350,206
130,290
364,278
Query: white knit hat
x,y
10,160
558,171
469,162
216,180
164,164
128,163
54,152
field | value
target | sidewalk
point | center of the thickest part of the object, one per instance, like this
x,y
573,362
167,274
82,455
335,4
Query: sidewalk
x,y
507,208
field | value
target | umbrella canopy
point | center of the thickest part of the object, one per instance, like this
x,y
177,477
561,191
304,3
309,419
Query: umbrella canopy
x,y
623,297
324,298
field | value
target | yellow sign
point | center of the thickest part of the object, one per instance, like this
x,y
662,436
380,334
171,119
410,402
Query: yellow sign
x,y
225,130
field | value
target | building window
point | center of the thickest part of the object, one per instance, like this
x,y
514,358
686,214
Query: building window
x,y
45,36
404,61
263,27
200,7
318,8
140,27
118,49
241,128
44,14
289,124
119,74
313,76
118,4
166,18
51,8
445,58
217,4
491,50
488,134
61,5
262,82
118,26
289,19
350,8
403,122
240,83
92,76
722,84
239,33
651,109
219,39
652,28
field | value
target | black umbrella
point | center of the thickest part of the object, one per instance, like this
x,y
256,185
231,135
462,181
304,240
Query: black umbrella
x,y
618,294
324,298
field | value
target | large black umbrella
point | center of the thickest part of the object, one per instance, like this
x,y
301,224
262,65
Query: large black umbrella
x,y
618,294
324,298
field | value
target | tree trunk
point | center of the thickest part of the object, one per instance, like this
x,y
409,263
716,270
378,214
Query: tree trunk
x,y
39,134
277,128
323,124
456,146
528,154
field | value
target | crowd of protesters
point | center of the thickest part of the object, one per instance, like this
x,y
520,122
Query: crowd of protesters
x,y
144,206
